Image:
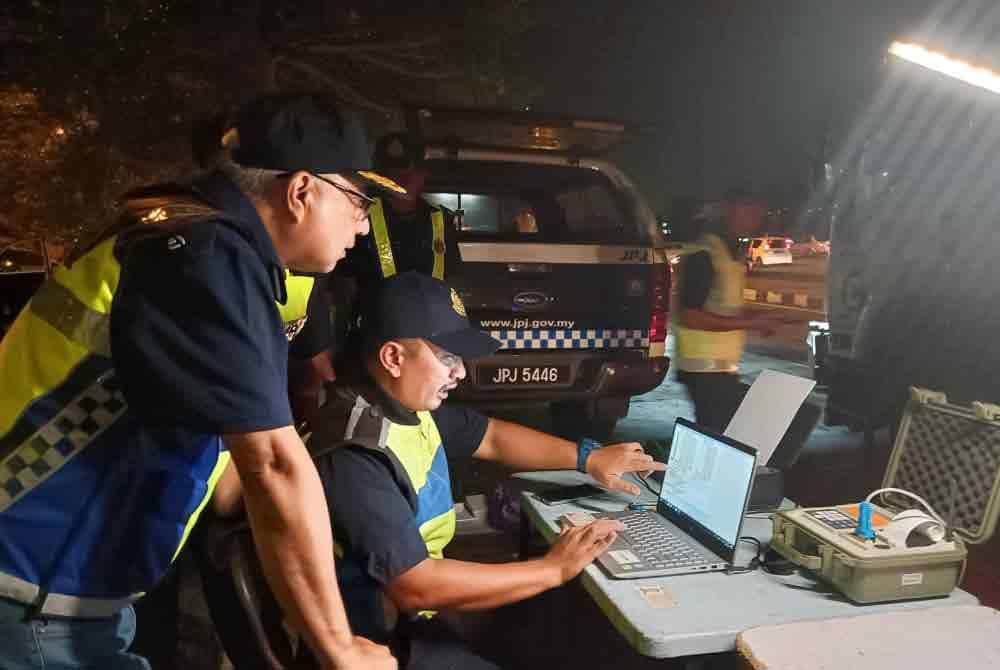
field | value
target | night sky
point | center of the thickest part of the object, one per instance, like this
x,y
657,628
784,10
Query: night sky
x,y
739,95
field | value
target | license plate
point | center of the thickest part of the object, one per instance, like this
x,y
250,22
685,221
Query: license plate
x,y
523,375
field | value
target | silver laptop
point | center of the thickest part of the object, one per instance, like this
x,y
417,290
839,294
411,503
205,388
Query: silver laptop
x,y
698,516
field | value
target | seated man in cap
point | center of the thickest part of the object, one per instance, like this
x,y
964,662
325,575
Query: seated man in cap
x,y
382,445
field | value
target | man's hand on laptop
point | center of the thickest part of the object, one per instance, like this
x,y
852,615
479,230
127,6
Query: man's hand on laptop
x,y
578,546
608,464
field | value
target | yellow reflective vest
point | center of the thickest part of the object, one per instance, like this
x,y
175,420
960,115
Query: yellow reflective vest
x,y
89,519
713,351
383,242
414,454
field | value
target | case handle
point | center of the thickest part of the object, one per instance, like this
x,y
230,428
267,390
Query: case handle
x,y
807,561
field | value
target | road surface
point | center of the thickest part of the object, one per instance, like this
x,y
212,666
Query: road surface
x,y
802,282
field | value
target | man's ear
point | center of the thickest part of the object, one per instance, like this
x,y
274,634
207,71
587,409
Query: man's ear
x,y
391,356
299,194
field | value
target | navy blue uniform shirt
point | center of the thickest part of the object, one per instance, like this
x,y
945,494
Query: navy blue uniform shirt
x,y
196,336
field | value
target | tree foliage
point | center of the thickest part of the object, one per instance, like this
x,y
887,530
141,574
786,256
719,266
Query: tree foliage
x,y
103,95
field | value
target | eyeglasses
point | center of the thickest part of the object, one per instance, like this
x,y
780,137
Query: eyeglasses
x,y
448,359
358,199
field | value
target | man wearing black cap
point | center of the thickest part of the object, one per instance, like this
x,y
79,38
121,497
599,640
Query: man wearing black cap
x,y
387,479
408,232
142,367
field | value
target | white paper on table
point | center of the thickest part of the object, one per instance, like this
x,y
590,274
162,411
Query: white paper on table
x,y
767,410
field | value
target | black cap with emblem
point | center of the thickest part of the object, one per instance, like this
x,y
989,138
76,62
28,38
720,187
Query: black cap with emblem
x,y
292,132
398,152
415,305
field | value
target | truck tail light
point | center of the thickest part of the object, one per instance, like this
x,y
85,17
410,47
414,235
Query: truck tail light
x,y
659,313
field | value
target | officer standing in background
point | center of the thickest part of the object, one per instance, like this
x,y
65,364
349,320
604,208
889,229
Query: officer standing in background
x,y
141,368
407,232
711,320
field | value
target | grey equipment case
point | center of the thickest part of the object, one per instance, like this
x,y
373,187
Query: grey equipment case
x,y
947,454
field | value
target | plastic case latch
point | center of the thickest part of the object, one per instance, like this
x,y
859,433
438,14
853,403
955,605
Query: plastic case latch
x,y
925,396
986,411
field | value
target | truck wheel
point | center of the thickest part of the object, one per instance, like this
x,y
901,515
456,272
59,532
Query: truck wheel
x,y
573,419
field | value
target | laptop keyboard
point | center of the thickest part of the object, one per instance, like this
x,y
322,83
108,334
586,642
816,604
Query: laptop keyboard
x,y
655,544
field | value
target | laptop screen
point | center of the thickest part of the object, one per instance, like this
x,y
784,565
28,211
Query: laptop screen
x,y
706,486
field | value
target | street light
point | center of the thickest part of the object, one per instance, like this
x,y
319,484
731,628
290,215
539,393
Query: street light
x,y
957,69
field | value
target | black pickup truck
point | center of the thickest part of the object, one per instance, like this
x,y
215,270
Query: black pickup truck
x,y
554,253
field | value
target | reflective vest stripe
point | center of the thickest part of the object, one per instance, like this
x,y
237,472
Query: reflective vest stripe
x,y
58,604
383,248
695,362
437,226
78,424
352,422
213,479
60,308
383,243
39,413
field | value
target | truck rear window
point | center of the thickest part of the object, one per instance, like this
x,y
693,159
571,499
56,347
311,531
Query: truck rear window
x,y
533,203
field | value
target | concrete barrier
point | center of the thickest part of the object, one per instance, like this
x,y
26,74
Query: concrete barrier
x,y
786,299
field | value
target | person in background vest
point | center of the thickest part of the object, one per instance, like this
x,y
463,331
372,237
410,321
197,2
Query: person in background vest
x,y
407,232
525,222
152,362
388,483
711,321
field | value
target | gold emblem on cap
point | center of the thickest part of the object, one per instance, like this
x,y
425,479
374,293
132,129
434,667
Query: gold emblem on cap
x,y
231,139
382,181
456,303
